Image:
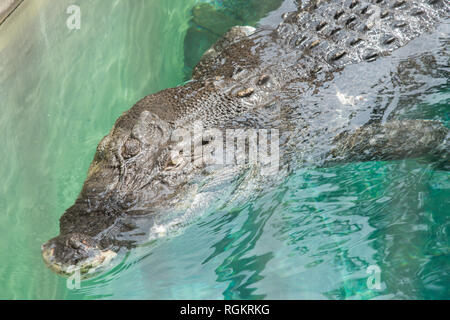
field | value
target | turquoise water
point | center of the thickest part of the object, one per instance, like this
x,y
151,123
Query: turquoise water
x,y
314,236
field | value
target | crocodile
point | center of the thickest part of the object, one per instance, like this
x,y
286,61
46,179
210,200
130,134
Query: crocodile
x,y
276,78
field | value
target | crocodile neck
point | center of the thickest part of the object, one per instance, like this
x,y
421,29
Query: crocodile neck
x,y
311,44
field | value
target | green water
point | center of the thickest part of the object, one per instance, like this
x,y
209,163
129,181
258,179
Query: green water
x,y
314,236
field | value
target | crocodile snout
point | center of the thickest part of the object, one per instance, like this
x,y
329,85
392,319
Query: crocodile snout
x,y
66,254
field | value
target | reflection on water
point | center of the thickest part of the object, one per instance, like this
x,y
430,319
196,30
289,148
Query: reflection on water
x,y
312,236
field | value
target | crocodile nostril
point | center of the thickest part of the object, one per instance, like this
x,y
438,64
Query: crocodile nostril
x,y
74,244
131,148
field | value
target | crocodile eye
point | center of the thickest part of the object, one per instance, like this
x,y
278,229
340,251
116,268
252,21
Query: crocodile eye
x,y
131,148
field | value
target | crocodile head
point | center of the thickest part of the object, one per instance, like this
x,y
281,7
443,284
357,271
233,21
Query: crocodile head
x,y
146,160
131,180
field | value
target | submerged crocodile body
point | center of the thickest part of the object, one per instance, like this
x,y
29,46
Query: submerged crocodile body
x,y
261,78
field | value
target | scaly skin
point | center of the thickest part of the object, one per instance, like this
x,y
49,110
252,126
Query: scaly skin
x,y
261,79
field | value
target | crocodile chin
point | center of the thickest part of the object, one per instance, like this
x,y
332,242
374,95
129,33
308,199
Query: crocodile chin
x,y
75,252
